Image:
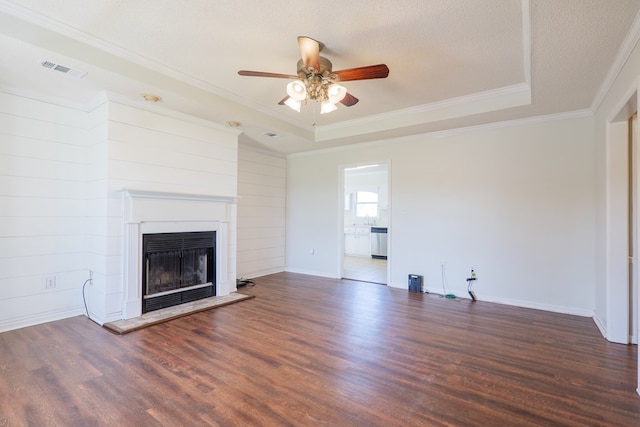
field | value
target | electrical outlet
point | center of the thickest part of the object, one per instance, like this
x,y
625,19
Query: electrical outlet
x,y
50,282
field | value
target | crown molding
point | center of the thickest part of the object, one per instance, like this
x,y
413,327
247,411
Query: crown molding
x,y
451,132
625,50
481,102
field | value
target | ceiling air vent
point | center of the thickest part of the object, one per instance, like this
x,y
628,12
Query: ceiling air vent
x,y
58,67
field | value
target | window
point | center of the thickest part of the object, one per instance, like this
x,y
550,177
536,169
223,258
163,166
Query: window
x,y
366,204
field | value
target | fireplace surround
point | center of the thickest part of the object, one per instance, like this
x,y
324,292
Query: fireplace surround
x,y
148,213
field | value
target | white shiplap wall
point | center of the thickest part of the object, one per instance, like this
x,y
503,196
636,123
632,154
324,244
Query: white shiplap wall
x,y
158,152
100,250
61,215
261,213
155,152
43,163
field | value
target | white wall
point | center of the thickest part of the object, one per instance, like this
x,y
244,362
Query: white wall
x,y
261,212
515,203
62,173
152,151
43,164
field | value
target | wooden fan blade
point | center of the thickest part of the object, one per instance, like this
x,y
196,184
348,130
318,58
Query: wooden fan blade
x,y
379,71
349,100
310,51
264,74
283,100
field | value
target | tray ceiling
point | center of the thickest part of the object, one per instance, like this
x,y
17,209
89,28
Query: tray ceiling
x,y
452,63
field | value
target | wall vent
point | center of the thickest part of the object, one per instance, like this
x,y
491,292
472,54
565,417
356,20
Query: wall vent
x,y
61,68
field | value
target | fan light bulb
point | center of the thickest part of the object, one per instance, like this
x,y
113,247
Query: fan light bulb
x,y
293,104
297,91
336,93
327,107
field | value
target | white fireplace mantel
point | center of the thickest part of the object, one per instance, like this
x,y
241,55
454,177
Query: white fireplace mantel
x,y
151,212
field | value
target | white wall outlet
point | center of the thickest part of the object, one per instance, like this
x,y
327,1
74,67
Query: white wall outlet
x,y
50,282
312,251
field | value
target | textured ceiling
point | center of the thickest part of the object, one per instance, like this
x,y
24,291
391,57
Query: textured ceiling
x,y
452,63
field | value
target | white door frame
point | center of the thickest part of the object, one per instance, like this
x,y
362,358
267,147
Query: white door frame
x,y
619,304
341,183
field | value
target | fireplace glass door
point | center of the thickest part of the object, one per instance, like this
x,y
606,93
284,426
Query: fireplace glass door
x,y
179,267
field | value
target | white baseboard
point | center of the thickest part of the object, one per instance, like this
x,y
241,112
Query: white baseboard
x,y
539,306
260,273
459,293
600,325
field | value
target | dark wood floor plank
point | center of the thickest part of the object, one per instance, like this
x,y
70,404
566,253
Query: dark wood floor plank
x,y
311,351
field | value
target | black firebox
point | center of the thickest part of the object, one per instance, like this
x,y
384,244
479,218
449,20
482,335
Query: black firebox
x,y
178,268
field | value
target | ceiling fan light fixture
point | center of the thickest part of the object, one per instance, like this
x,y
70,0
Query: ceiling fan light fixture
x,y
293,104
315,79
327,107
336,93
297,91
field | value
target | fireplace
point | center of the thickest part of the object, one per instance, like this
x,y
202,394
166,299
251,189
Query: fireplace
x,y
177,268
148,213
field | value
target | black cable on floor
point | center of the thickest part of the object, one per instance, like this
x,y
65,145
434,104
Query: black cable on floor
x,y
245,282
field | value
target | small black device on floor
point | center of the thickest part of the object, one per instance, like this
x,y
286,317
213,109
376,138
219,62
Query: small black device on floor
x,y
244,282
469,283
415,283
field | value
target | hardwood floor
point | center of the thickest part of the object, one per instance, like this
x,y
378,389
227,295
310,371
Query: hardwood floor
x,y
314,351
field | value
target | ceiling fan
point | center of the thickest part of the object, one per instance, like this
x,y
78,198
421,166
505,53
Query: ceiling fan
x,y
317,81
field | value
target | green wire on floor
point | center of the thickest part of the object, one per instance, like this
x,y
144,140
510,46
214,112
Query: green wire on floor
x,y
444,292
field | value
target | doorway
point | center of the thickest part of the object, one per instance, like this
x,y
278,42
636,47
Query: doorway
x,y
622,226
365,223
